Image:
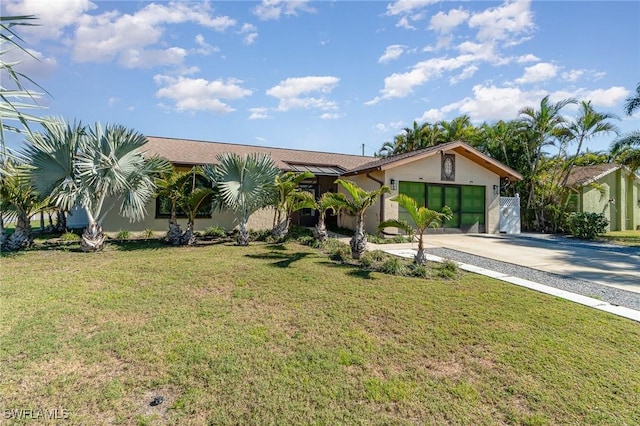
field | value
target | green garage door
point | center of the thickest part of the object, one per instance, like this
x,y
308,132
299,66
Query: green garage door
x,y
467,202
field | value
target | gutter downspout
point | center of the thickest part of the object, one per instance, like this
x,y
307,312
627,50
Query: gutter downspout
x,y
381,183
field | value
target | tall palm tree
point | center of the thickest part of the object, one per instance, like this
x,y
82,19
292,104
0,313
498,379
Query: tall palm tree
x,y
633,102
245,185
422,219
355,202
289,201
587,124
95,169
545,126
458,129
626,150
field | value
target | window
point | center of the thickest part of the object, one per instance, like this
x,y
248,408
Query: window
x,y
163,204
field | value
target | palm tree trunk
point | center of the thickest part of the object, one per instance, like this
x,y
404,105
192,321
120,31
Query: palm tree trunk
x,y
243,234
21,237
359,239
61,221
3,232
188,237
92,238
320,233
281,230
174,235
421,257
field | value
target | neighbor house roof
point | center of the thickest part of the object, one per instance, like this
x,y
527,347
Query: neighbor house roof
x,y
192,152
584,175
458,147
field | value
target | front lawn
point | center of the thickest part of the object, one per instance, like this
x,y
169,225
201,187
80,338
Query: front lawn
x,y
627,238
280,334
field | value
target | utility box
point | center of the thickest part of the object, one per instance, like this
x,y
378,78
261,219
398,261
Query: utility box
x,y
510,215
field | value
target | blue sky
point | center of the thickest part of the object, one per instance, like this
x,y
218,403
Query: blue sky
x,y
329,75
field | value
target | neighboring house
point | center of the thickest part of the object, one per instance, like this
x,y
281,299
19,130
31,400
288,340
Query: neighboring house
x,y
453,174
611,189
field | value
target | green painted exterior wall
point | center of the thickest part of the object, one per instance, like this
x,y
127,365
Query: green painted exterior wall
x,y
617,196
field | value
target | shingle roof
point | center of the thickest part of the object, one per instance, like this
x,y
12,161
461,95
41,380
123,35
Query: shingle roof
x,y
459,147
583,175
192,152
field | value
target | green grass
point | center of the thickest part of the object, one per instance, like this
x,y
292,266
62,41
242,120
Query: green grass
x,y
627,238
279,334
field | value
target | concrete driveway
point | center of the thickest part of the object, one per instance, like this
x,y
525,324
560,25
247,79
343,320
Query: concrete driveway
x,y
605,264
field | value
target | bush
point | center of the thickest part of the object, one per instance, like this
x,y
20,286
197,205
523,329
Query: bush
x,y
69,236
448,269
123,234
381,239
587,226
367,260
296,232
378,255
215,231
419,271
394,266
337,250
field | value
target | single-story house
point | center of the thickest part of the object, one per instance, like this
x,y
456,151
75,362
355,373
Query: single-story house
x,y
453,174
611,189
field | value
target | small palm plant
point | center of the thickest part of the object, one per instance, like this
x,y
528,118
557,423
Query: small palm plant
x,y
327,202
289,201
422,219
244,184
356,203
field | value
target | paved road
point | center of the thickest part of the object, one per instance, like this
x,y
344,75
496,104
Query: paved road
x,y
605,264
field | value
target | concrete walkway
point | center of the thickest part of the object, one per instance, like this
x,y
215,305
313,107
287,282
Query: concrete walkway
x,y
605,264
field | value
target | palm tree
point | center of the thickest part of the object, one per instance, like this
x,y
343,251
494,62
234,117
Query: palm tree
x,y
179,188
356,204
22,202
422,219
587,124
289,201
458,129
327,202
245,185
633,102
545,126
626,150
94,169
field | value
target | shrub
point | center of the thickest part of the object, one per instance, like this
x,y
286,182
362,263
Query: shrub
x,y
419,271
448,269
378,255
587,226
338,250
215,231
296,232
147,233
367,260
394,266
123,234
69,236
381,239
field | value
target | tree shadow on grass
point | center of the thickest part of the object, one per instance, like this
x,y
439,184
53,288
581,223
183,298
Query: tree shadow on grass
x,y
351,269
285,259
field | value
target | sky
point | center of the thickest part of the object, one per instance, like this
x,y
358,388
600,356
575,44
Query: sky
x,y
336,76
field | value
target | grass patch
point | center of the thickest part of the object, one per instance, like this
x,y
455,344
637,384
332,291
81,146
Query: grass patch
x,y
278,334
626,238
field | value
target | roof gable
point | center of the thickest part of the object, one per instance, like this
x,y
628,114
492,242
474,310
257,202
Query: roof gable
x,y
458,147
585,175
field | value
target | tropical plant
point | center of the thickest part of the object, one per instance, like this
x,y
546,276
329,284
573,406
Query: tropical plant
x,y
355,202
626,150
632,103
94,169
244,184
180,189
326,203
22,203
422,219
289,201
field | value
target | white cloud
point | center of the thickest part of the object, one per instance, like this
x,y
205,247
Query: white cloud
x,y
504,22
250,33
466,73
445,22
404,23
113,100
259,113
32,63
273,9
53,16
527,58
134,58
607,97
538,72
400,7
392,126
432,115
391,53
290,92
205,48
198,94
111,35
330,116
572,75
